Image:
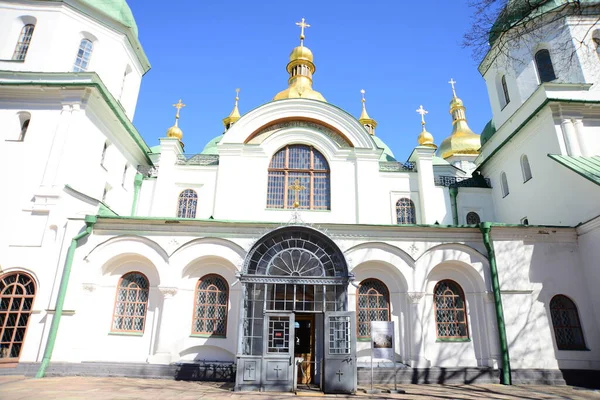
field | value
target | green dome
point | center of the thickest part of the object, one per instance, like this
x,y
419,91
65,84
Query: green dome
x,y
488,132
387,152
211,147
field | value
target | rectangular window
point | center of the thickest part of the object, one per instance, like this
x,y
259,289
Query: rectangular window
x,y
339,335
279,335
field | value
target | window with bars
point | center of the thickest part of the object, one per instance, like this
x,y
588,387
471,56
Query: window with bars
x,y
473,218
17,292
504,184
187,204
84,53
450,311
565,320
544,66
299,170
506,98
210,308
405,211
525,168
373,305
131,303
23,44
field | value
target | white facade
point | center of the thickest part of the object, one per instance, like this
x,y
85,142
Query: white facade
x,y
134,194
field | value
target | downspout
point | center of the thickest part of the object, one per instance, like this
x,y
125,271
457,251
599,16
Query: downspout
x,y
453,194
505,378
137,184
90,220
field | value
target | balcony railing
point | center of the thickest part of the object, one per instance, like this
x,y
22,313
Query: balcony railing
x,y
476,181
395,166
198,159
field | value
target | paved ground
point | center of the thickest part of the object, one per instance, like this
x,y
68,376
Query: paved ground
x,y
67,388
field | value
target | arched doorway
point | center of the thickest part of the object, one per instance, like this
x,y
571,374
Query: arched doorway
x,y
17,292
295,306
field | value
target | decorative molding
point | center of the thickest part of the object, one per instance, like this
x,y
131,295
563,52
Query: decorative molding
x,y
260,136
197,159
413,249
415,297
168,291
89,287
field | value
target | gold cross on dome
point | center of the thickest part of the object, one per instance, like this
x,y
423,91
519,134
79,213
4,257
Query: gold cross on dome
x,y
422,111
362,92
302,25
296,187
452,82
179,105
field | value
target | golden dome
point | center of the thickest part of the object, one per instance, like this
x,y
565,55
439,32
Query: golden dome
x,y
462,140
235,113
426,139
299,90
175,132
301,53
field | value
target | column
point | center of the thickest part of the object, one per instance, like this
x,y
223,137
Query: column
x,y
570,137
424,161
417,348
165,334
580,135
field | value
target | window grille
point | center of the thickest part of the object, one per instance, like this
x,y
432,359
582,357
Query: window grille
x,y
279,335
310,168
373,305
84,53
405,211
450,311
565,320
131,303
505,90
24,41
187,204
339,335
473,218
504,184
210,310
543,63
525,168
17,292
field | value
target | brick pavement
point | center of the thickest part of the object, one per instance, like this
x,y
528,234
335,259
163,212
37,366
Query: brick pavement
x,y
67,388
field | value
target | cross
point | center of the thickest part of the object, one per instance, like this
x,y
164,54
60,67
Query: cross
x,y
296,187
302,25
339,374
362,92
237,96
422,111
277,369
452,82
250,367
179,105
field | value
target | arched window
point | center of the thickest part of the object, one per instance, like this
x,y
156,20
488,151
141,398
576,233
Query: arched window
x,y
506,98
504,184
131,303
405,211
373,304
596,41
299,173
17,292
473,218
525,168
23,43
543,63
186,206
24,120
210,307
104,150
450,311
83,56
565,320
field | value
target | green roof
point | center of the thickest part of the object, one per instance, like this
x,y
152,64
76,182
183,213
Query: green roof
x,y
440,161
387,154
211,147
488,132
588,167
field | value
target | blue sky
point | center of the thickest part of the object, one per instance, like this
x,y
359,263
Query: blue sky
x,y
402,53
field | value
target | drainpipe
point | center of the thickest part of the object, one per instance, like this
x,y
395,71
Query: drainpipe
x,y
505,378
453,194
137,184
90,220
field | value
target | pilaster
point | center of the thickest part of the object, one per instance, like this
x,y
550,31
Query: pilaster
x,y
165,334
423,157
163,206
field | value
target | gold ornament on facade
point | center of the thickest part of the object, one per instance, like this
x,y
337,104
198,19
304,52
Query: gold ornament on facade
x,y
174,131
235,113
425,138
462,139
369,123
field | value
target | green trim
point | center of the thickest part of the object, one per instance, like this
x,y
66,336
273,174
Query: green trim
x,y
139,334
453,190
586,167
137,184
62,292
505,377
452,340
207,335
91,79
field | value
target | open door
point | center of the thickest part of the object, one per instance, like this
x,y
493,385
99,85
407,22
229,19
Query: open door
x,y
339,366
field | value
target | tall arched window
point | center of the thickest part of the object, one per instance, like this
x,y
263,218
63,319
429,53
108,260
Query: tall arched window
x,y
187,204
596,41
299,172
506,98
373,304
210,306
104,150
17,292
83,56
525,168
131,303
24,120
23,44
504,184
450,311
565,320
473,218
543,63
405,211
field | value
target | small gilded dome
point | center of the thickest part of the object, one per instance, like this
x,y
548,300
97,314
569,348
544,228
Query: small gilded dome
x,y
175,132
301,53
425,138
455,102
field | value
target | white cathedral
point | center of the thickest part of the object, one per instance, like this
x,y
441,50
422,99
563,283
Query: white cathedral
x,y
128,260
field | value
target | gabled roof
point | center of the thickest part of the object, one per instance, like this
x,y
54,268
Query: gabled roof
x,y
588,167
